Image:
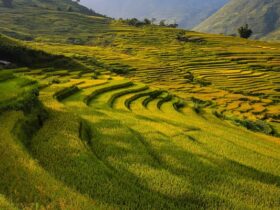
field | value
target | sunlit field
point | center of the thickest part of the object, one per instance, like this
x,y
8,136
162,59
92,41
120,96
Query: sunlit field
x,y
111,116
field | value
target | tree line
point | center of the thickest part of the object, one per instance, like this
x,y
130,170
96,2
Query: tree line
x,y
136,22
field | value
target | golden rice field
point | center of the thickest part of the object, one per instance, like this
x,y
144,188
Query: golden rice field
x,y
239,77
109,143
143,121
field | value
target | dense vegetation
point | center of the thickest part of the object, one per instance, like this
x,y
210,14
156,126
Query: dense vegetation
x,y
132,117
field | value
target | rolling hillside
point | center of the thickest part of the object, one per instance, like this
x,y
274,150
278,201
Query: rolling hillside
x,y
262,17
23,25
97,114
187,13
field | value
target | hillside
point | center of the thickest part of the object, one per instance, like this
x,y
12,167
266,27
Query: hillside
x,y
60,5
187,13
262,16
97,114
23,25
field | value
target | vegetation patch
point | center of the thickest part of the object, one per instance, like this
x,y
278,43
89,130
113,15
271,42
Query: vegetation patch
x,y
97,92
152,97
165,99
26,128
61,95
178,105
123,93
258,126
182,37
200,104
6,75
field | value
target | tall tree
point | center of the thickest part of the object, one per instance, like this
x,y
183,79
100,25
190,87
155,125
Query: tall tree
x,y
245,31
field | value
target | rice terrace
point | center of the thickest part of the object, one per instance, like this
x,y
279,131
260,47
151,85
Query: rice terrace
x,y
107,112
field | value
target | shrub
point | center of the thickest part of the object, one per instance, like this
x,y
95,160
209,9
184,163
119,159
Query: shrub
x,y
245,31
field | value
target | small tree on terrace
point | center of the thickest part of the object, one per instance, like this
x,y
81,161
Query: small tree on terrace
x,y
7,3
147,21
245,31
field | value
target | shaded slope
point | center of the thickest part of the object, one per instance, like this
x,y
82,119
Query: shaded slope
x,y
18,53
262,16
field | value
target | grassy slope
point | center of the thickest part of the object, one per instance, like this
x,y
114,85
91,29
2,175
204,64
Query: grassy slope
x,y
128,147
262,16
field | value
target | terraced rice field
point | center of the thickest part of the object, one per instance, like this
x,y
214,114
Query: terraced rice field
x,y
145,122
110,143
237,76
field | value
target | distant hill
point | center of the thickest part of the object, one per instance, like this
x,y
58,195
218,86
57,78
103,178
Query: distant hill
x,y
61,5
263,16
187,13
37,19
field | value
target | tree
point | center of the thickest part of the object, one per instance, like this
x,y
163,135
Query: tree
x,y
147,21
133,21
8,3
245,31
173,25
162,23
